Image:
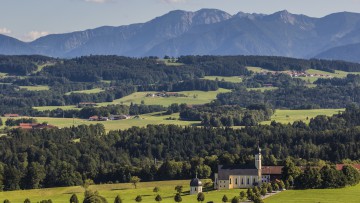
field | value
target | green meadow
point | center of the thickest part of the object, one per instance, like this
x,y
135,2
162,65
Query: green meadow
x,y
233,79
262,89
343,195
192,97
142,121
92,91
125,190
169,62
289,116
35,88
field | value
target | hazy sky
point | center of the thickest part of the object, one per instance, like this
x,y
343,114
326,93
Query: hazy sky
x,y
30,19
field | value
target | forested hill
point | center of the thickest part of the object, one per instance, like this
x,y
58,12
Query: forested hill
x,y
117,77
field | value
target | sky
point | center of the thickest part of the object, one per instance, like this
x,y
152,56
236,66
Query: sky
x,y
30,19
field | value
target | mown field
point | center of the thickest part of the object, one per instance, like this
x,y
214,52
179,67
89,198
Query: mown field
x,y
92,91
343,195
35,88
289,116
337,74
282,116
262,89
110,191
192,97
233,79
144,120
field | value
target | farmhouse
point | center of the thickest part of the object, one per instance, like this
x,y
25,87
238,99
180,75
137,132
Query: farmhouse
x,y
30,126
245,176
86,104
11,115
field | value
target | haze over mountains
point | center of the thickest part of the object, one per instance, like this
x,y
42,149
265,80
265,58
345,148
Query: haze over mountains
x,y
208,32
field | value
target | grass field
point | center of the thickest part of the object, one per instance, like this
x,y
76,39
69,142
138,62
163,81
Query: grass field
x,y
169,63
337,74
125,190
144,120
233,79
44,108
262,89
193,97
92,91
35,88
289,116
343,195
40,67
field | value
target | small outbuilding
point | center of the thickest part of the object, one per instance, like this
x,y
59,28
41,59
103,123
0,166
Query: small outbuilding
x,y
195,186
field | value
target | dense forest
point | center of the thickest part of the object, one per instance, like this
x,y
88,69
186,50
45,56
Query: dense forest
x,y
121,76
68,156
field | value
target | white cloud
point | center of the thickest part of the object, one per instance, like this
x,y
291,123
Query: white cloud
x,y
34,35
5,31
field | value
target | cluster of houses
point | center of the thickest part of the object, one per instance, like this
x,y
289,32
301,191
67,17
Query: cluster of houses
x,y
165,94
112,117
304,74
30,126
11,115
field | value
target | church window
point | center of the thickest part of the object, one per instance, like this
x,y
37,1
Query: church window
x,y
195,189
248,181
230,180
236,181
242,181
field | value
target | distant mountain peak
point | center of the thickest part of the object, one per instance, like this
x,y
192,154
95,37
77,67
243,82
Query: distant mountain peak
x,y
286,17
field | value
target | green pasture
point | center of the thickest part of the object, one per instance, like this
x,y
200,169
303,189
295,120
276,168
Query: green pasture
x,y
343,195
262,89
92,91
40,67
289,116
257,69
142,121
233,79
125,190
192,97
169,62
44,108
35,88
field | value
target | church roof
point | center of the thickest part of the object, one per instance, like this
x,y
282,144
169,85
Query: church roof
x,y
195,182
271,170
226,171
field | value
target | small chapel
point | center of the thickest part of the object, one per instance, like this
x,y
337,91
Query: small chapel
x,y
195,186
245,176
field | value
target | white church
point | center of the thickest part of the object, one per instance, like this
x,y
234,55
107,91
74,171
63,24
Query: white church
x,y
231,177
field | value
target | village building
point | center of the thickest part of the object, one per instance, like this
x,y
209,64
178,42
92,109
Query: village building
x,y
245,176
11,115
195,186
30,126
86,104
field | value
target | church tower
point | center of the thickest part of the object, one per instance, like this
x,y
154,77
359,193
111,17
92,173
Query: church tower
x,y
258,165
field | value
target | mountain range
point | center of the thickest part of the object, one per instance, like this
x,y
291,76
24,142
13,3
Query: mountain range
x,y
208,32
